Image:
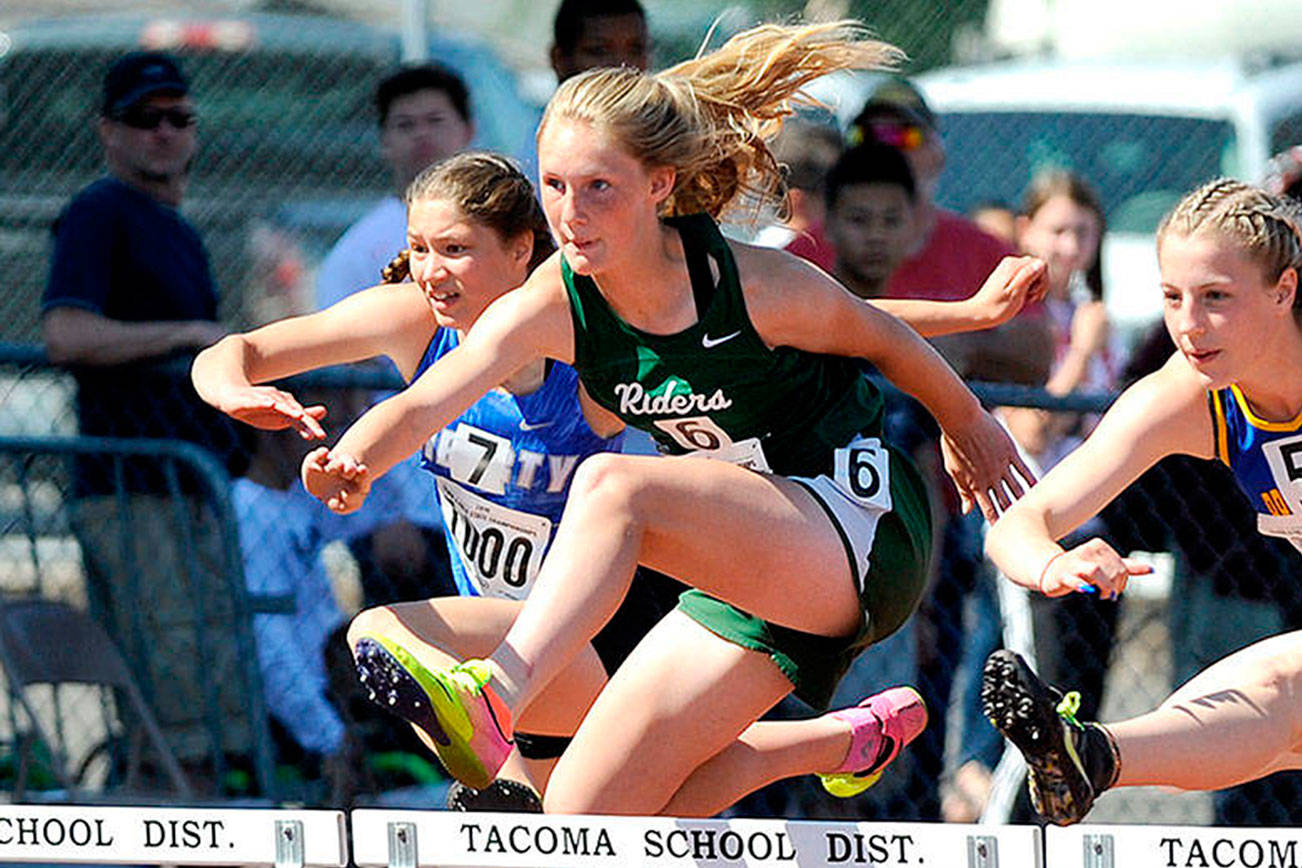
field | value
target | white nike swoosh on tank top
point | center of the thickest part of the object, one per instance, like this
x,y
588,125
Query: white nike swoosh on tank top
x,y
707,341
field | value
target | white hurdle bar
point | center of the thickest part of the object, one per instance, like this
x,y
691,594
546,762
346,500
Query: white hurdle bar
x,y
174,836
1089,846
416,839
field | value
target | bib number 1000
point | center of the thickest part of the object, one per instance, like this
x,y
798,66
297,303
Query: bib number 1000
x,y
490,554
500,548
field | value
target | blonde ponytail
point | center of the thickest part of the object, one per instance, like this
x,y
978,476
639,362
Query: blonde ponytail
x,y
711,117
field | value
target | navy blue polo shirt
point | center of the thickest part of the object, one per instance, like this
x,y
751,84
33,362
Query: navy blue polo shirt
x,y
122,254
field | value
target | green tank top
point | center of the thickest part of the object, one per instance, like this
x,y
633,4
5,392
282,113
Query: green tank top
x,y
715,386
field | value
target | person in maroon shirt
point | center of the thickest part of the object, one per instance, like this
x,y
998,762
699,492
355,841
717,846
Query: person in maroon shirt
x,y
954,256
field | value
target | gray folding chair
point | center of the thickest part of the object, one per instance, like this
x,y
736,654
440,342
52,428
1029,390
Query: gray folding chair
x,y
43,642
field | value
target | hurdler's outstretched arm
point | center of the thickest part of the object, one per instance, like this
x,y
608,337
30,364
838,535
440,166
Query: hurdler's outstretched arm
x,y
520,327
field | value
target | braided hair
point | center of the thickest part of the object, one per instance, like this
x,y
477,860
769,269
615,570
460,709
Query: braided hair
x,y
1263,225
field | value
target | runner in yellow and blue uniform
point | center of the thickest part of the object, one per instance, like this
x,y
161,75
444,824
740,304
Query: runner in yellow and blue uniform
x,y
1266,458
1229,255
806,536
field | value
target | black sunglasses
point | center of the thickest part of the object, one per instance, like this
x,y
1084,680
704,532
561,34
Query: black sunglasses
x,y
142,117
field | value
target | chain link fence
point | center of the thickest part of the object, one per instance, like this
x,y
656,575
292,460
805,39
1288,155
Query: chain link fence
x,y
289,157
289,153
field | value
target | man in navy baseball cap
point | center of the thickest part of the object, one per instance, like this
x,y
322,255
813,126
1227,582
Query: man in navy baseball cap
x,y
148,124
130,285
138,75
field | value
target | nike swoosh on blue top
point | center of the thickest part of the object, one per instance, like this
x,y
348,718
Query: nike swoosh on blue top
x,y
707,341
526,426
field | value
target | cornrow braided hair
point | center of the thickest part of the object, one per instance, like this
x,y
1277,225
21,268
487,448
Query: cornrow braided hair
x,y
398,269
1265,226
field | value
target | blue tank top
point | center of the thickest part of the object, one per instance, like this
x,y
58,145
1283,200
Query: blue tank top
x,y
503,469
1266,458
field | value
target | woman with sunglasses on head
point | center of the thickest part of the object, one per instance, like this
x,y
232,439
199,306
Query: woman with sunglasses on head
x,y
805,539
1229,255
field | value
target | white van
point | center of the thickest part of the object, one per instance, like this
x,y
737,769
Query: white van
x,y
1143,133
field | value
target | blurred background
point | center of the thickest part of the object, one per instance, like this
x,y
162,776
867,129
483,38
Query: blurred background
x,y
1145,100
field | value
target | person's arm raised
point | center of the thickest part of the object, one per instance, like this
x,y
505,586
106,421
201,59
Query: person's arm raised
x,y
794,304
393,320
1163,414
1014,282
521,326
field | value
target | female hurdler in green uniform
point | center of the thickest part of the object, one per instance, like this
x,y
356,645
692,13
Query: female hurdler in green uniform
x,y
806,540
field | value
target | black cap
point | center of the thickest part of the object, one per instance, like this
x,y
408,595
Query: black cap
x,y
139,74
892,95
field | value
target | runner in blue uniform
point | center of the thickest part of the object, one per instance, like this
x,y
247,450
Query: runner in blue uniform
x,y
1229,255
502,469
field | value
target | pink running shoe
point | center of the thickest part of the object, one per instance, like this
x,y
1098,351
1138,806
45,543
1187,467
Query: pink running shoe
x,y
879,727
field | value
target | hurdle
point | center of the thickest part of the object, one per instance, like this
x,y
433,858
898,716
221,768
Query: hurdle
x,y
172,836
1089,846
446,839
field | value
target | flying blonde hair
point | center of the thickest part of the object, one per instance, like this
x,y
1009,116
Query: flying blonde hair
x,y
711,118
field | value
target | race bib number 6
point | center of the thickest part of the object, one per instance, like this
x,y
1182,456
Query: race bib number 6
x,y
700,436
862,470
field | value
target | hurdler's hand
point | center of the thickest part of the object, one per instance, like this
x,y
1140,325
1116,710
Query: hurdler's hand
x,y
339,481
985,465
272,409
1015,281
1090,566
